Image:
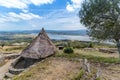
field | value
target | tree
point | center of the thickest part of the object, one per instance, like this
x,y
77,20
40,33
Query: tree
x,y
2,45
102,19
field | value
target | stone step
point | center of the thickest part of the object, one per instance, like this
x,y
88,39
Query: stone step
x,y
15,71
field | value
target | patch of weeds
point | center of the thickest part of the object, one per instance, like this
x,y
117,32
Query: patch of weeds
x,y
90,75
98,79
79,75
24,76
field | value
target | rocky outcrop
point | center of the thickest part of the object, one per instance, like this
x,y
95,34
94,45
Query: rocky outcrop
x,y
108,50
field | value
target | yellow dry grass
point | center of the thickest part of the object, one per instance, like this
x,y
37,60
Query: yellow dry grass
x,y
14,49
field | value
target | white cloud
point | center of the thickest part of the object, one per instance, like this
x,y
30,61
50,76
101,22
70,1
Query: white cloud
x,y
2,20
24,16
40,2
25,11
76,1
13,17
55,20
23,4
74,5
13,4
69,8
60,20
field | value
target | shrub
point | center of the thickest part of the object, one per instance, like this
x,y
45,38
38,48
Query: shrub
x,y
68,50
91,45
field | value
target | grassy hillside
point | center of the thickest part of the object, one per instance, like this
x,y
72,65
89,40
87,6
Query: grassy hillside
x,y
52,69
68,66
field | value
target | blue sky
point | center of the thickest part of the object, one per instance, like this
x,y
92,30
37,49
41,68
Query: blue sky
x,y
35,14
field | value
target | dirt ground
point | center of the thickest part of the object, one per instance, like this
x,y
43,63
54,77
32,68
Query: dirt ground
x,y
65,69
52,69
111,72
62,69
4,69
108,71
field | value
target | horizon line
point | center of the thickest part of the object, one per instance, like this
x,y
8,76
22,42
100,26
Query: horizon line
x,y
40,30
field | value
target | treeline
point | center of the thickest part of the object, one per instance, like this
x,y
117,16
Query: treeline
x,y
82,44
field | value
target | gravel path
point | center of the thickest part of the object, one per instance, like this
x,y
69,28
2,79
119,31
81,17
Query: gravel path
x,y
4,69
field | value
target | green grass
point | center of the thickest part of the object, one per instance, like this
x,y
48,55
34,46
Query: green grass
x,y
98,79
90,57
79,75
26,76
82,75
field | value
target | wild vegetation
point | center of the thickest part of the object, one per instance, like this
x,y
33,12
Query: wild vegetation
x,y
73,63
62,61
68,50
91,57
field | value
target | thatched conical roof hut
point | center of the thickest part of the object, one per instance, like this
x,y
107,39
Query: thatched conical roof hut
x,y
41,47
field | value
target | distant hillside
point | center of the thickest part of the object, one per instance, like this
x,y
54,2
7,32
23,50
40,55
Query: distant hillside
x,y
72,32
66,32
28,35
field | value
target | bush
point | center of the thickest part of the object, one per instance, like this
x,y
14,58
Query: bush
x,y
68,50
91,45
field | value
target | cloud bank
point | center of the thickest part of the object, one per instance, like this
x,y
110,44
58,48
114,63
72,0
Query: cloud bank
x,y
23,4
33,14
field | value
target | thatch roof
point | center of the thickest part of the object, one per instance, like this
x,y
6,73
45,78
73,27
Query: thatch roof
x,y
41,47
